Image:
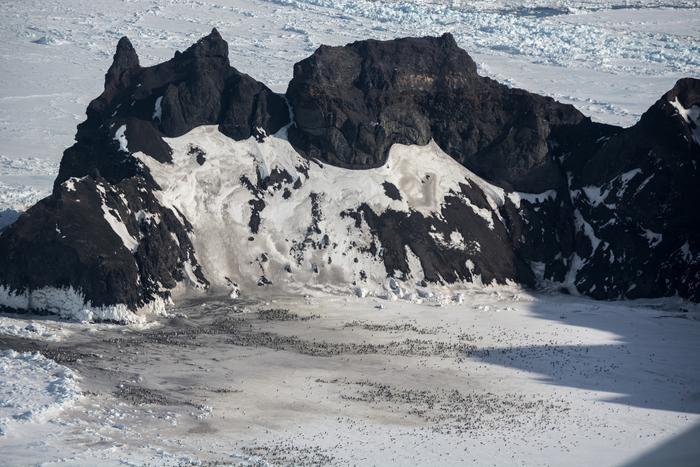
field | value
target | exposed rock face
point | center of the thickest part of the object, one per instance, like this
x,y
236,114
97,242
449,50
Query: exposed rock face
x,y
113,242
404,163
634,192
352,103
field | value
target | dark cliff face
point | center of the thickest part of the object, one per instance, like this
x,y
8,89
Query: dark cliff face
x,y
606,211
352,103
66,240
637,189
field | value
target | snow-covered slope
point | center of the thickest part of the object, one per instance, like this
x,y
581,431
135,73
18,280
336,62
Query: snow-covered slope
x,y
264,215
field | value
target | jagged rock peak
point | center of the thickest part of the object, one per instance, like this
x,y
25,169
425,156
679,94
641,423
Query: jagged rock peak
x,y
212,45
140,105
352,103
124,63
125,56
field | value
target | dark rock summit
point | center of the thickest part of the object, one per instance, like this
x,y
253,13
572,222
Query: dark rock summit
x,y
352,103
604,211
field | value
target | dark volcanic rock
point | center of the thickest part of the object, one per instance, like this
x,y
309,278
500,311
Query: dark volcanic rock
x,y
352,103
67,241
634,192
605,211
196,87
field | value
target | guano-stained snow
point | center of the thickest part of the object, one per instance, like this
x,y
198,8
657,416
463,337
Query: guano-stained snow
x,y
498,376
216,198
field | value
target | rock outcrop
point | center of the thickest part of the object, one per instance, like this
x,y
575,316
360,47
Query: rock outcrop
x,y
401,162
352,103
140,106
102,231
633,192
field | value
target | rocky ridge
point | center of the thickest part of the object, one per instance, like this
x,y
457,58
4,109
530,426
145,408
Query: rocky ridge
x,y
535,191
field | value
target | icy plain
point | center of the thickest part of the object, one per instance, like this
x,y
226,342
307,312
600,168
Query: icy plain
x,y
495,377
502,378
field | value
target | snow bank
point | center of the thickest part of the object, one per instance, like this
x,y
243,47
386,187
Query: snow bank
x,y
38,388
69,303
22,328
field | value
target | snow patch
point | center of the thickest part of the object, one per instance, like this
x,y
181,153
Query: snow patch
x,y
691,116
587,229
625,178
516,197
454,241
414,265
595,194
70,183
120,137
116,223
158,110
653,237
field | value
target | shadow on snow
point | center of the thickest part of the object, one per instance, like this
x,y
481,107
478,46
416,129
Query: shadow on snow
x,y
648,355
